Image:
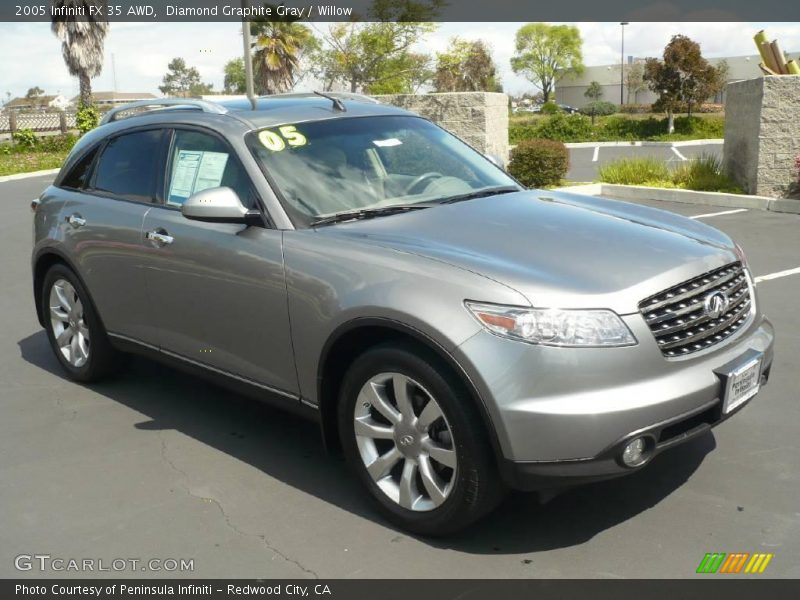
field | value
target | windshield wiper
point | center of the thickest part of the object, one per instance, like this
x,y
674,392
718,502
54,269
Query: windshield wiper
x,y
501,189
367,213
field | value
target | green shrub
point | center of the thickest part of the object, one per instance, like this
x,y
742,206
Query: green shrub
x,y
704,174
87,118
57,143
599,108
539,163
565,128
550,108
24,137
708,127
633,171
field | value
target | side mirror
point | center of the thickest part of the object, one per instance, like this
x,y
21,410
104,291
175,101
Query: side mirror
x,y
496,160
218,205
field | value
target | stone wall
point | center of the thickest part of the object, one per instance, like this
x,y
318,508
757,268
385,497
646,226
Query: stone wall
x,y
478,118
762,134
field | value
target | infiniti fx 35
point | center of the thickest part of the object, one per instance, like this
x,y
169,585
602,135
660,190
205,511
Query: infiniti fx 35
x,y
454,334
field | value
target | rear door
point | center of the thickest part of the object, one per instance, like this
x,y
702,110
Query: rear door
x,y
109,198
217,289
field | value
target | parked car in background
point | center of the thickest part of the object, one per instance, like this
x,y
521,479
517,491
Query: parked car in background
x,y
569,109
453,334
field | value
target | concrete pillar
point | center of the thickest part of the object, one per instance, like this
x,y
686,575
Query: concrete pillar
x,y
478,118
762,134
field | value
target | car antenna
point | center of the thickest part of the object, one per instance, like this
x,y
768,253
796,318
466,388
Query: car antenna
x,y
337,104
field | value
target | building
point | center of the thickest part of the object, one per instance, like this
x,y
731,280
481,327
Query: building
x,y
56,102
112,99
571,88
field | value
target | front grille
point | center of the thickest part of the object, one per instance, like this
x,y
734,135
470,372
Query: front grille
x,y
678,318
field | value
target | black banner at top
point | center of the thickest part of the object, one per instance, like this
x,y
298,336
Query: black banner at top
x,y
447,10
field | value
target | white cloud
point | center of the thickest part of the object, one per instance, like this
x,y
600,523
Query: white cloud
x,y
32,55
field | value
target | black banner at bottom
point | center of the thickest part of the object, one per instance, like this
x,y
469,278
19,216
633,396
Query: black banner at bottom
x,y
407,589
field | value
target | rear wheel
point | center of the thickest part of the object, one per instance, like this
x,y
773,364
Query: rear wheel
x,y
416,442
76,335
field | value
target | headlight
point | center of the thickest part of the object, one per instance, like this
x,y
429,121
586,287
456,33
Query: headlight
x,y
554,327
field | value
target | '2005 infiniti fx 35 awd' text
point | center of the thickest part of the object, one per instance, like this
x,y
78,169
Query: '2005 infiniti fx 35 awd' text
x,y
454,334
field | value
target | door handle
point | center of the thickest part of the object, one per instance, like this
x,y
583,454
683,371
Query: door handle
x,y
160,237
76,220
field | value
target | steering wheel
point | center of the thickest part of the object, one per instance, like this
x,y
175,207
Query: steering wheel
x,y
422,178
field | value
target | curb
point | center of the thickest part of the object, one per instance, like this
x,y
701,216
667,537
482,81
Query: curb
x,y
17,176
676,144
638,192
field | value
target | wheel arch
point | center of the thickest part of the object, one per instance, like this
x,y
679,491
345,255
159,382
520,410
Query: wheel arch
x,y
353,338
45,259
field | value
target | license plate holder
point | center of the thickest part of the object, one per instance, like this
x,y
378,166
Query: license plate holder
x,y
741,380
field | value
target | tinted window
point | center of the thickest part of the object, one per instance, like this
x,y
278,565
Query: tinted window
x,y
128,166
77,177
200,161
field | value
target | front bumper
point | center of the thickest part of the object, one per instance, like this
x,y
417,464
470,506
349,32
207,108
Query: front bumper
x,y
563,416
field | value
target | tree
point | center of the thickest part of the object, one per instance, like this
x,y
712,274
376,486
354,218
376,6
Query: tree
x,y
183,81
377,56
682,76
234,77
277,50
34,94
545,53
634,80
466,66
82,41
593,92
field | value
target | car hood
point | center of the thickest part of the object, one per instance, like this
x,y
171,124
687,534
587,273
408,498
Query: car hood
x,y
557,249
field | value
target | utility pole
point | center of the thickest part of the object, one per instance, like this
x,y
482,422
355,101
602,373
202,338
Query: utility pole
x,y
114,72
248,60
622,64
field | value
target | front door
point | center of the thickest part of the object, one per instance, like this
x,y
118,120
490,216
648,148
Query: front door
x,y
217,290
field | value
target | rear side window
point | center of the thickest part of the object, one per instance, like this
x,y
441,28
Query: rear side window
x,y
128,166
201,161
77,178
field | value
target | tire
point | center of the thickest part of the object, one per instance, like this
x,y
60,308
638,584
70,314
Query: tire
x,y
445,477
88,355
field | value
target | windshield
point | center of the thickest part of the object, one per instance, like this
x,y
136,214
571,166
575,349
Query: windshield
x,y
324,168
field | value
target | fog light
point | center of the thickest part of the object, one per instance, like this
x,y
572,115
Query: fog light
x,y
634,453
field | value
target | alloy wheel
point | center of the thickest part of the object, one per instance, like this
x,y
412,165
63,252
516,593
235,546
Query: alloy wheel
x,y
405,441
70,332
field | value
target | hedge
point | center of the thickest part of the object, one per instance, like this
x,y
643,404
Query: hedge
x,y
578,128
539,163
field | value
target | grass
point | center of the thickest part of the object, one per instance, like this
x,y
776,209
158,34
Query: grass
x,y
703,174
26,162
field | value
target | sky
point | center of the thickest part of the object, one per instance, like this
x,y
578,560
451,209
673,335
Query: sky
x,y
31,55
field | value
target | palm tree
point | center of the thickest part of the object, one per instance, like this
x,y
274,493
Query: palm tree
x,y
82,41
278,48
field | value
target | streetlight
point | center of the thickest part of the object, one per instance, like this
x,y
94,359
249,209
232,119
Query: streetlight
x,y
622,63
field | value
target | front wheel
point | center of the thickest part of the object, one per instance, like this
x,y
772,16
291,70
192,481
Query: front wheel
x,y
416,442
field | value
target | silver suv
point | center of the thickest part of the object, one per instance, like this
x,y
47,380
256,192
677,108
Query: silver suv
x,y
454,334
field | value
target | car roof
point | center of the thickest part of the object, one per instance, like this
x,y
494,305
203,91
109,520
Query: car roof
x,y
297,108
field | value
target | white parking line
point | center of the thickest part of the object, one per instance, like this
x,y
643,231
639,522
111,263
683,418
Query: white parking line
x,y
596,153
678,153
778,275
722,212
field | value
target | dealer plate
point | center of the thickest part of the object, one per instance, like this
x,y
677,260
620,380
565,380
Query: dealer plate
x,y
742,384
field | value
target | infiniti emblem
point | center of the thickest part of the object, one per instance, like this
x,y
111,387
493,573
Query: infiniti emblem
x,y
716,303
406,440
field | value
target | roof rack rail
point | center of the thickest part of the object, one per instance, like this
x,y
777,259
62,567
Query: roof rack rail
x,y
164,103
339,95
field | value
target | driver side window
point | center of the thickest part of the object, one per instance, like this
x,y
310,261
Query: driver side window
x,y
200,161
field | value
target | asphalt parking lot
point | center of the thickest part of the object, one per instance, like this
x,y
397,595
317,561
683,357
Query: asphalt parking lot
x,y
155,464
585,160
